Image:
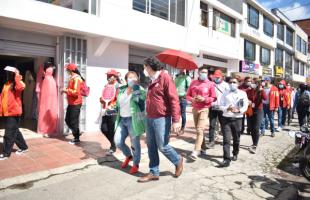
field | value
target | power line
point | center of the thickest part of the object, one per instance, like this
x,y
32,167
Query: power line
x,y
302,5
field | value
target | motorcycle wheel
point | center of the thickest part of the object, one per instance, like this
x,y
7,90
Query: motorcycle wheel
x,y
304,167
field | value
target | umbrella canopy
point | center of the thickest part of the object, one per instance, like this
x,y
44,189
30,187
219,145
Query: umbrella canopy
x,y
177,59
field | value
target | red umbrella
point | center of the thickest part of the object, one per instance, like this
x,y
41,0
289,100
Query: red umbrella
x,y
177,59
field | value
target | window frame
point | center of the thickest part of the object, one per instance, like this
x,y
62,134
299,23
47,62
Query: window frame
x,y
231,20
249,17
298,46
282,60
204,12
282,32
264,26
296,67
261,56
286,41
248,58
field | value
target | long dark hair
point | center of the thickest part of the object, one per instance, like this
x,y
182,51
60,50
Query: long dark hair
x,y
78,72
11,78
258,91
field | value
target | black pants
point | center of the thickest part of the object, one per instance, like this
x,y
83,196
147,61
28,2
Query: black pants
x,y
13,135
254,123
231,127
107,128
302,115
73,119
289,115
213,116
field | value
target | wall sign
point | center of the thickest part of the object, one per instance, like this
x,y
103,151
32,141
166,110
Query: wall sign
x,y
267,71
249,67
279,71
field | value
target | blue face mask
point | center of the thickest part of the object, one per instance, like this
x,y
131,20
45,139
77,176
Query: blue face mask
x,y
131,82
233,86
203,76
217,80
281,86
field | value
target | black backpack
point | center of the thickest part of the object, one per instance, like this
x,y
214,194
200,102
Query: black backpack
x,y
304,99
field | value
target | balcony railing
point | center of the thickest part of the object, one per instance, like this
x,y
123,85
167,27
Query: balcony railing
x,y
87,6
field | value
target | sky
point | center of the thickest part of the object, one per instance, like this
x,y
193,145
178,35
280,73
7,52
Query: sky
x,y
293,9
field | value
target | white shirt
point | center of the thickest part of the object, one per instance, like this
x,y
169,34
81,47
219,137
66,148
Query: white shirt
x,y
234,99
220,89
124,104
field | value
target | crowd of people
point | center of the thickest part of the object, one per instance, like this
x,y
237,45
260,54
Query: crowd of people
x,y
129,110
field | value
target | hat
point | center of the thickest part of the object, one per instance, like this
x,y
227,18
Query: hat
x,y
217,74
267,78
10,69
71,66
112,72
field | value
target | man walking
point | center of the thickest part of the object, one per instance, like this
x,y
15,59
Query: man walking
x,y
284,104
233,104
201,93
215,113
270,105
162,107
182,82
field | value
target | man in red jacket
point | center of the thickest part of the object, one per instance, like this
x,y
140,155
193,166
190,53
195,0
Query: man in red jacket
x,y
162,107
284,104
270,105
11,109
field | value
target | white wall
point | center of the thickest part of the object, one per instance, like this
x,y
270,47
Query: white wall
x,y
115,56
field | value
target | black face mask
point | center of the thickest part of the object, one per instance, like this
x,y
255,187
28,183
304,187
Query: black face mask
x,y
10,76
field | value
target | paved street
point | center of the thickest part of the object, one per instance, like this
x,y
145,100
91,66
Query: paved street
x,y
251,177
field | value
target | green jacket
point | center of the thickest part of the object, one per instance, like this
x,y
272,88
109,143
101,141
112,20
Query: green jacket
x,y
137,106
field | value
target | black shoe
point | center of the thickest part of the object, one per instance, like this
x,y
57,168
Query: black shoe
x,y
234,158
210,145
74,141
225,163
272,134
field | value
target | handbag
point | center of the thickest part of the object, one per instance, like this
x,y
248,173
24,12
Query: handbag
x,y
249,112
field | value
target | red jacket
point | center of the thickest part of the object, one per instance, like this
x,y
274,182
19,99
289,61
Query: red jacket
x,y
284,96
273,98
10,100
252,96
74,96
162,98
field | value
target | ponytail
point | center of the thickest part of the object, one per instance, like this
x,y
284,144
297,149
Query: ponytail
x,y
78,72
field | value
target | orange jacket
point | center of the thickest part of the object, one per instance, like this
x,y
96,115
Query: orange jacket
x,y
10,100
74,96
274,98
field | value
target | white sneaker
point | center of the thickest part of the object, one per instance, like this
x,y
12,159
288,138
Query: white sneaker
x,y
194,155
279,129
2,157
20,152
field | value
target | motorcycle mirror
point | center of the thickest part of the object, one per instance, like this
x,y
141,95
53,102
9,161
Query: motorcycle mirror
x,y
292,134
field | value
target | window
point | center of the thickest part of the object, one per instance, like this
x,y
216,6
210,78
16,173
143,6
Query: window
x,y
172,10
280,32
204,14
288,61
249,50
253,17
298,44
296,67
264,56
289,37
279,57
223,23
304,47
268,27
302,69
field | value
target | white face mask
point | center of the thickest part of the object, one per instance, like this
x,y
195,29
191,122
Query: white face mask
x,y
146,73
233,86
253,86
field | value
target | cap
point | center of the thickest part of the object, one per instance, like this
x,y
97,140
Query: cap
x,y
71,66
267,78
112,72
10,69
217,74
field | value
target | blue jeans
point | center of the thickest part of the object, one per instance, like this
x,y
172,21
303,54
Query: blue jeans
x,y
157,138
122,131
183,104
268,114
281,117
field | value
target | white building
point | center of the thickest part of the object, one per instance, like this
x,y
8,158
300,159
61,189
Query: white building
x,y
258,34
103,34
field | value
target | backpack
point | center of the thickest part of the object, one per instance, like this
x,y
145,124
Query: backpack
x,y
304,99
84,89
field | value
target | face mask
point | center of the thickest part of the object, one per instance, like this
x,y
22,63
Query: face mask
x,y
248,84
111,79
217,80
202,76
131,82
233,86
281,86
253,85
146,73
263,84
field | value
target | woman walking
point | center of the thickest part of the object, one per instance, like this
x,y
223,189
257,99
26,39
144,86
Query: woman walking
x,y
130,120
75,101
256,95
11,110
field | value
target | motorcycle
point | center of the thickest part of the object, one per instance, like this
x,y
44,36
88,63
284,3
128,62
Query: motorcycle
x,y
302,142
